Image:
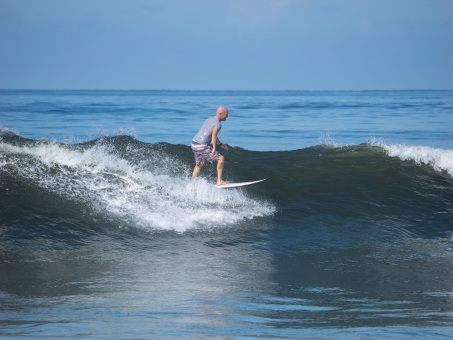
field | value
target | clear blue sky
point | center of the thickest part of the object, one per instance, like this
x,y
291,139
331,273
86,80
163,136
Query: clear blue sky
x,y
226,44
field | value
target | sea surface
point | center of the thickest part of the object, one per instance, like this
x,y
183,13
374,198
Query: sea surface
x,y
103,233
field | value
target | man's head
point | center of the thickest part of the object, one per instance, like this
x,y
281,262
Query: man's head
x,y
222,113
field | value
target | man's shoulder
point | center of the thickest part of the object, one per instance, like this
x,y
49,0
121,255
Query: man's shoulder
x,y
213,121
214,118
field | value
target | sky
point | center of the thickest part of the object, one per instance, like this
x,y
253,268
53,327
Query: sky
x,y
226,44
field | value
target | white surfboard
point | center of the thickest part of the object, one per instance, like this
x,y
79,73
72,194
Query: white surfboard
x,y
238,184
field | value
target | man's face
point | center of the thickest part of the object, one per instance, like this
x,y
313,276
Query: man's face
x,y
223,115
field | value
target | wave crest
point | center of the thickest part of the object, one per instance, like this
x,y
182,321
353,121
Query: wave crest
x,y
439,159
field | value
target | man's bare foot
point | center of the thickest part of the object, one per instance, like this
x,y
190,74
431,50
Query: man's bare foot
x,y
222,182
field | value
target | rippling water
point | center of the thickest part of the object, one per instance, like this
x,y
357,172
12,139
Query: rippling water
x,y
104,234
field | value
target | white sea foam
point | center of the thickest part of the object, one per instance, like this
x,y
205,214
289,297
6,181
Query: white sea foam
x,y
328,139
439,159
136,194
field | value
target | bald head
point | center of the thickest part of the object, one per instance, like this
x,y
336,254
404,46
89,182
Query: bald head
x,y
222,113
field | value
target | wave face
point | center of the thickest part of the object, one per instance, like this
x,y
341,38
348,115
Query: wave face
x,y
148,186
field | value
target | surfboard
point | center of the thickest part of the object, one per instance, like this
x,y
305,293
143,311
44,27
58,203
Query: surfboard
x,y
238,184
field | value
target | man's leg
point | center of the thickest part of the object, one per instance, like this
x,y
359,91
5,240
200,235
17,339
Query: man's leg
x,y
220,165
197,168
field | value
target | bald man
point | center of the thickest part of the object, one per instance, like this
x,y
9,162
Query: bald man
x,y
206,142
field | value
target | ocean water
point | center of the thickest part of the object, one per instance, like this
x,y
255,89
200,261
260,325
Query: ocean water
x,y
103,234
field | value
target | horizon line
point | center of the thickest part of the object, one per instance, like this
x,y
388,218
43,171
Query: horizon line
x,y
224,90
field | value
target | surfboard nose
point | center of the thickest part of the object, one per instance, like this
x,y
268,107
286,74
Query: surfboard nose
x,y
238,184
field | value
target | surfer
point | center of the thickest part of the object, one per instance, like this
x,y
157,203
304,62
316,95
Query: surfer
x,y
206,142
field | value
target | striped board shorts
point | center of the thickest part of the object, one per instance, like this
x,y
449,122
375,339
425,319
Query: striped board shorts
x,y
202,152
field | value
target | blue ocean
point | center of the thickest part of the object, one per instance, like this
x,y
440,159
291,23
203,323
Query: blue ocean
x,y
104,234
